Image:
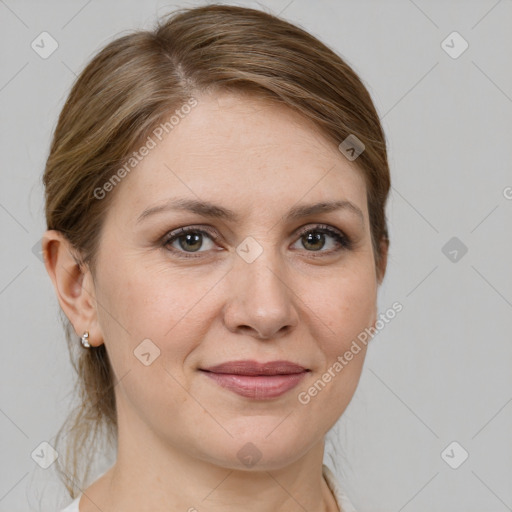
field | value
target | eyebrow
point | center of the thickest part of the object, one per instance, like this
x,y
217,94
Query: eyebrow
x,y
207,209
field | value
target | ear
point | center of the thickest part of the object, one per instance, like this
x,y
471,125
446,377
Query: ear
x,y
383,262
73,285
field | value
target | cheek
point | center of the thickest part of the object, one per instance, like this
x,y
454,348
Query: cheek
x,y
346,306
158,304
328,393
347,309
140,306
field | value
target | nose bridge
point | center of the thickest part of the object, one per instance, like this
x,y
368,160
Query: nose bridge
x,y
260,298
265,278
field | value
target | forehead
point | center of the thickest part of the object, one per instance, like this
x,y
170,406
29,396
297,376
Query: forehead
x,y
252,126
246,151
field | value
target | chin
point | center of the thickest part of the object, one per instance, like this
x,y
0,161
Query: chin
x,y
257,452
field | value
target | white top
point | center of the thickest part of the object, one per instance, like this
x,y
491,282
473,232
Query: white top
x,y
344,504
342,500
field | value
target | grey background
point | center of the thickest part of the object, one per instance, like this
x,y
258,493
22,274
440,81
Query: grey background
x,y
441,370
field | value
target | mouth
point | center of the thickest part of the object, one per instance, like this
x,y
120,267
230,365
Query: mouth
x,y
253,368
258,381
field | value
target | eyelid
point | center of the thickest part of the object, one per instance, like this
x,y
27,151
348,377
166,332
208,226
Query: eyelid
x,y
319,227
169,235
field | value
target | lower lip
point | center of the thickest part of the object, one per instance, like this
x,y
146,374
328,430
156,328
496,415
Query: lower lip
x,y
257,387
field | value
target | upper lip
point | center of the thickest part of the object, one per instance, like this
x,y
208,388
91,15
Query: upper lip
x,y
254,368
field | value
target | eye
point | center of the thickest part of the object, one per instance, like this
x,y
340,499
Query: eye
x,y
189,240
319,237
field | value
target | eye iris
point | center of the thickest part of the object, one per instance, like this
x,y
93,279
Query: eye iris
x,y
314,237
195,238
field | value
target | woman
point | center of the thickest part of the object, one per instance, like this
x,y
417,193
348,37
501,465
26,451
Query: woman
x,y
215,203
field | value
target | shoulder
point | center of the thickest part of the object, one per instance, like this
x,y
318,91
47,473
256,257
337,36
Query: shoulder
x,y
73,506
344,503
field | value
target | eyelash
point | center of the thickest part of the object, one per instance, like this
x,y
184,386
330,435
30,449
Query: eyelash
x,y
344,243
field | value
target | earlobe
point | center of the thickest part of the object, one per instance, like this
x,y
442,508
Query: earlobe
x,y
73,285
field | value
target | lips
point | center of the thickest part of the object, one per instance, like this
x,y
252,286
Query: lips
x,y
254,368
258,381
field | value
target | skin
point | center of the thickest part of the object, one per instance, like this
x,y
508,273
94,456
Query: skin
x,y
179,432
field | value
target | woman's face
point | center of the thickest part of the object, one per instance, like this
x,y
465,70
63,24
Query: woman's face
x,y
257,278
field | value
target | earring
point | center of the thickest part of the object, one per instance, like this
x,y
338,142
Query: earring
x,y
84,340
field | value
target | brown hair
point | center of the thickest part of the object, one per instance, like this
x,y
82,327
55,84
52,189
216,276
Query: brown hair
x,y
127,89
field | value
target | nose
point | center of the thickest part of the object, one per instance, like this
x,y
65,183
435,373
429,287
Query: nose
x,y
261,300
